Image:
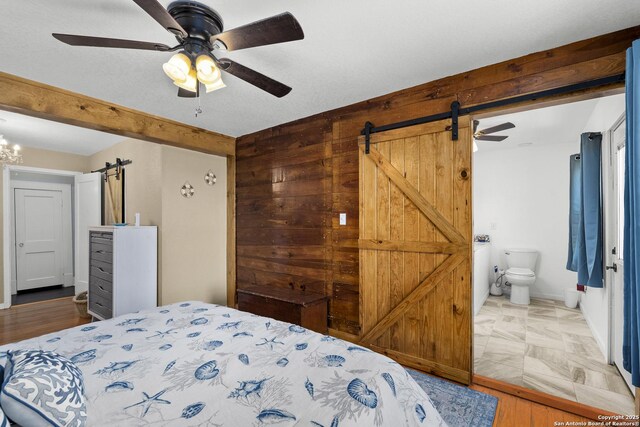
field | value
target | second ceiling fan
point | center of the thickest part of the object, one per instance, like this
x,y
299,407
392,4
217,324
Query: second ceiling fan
x,y
485,134
199,31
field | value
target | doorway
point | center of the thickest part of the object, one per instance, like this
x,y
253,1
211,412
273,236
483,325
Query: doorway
x,y
39,251
543,343
40,243
615,240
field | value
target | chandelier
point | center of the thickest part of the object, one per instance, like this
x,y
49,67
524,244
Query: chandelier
x,y
9,155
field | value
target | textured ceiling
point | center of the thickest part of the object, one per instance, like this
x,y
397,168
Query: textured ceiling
x,y
33,132
353,50
550,125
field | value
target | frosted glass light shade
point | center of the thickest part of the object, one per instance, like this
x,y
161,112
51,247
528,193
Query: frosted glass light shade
x,y
178,67
208,73
219,84
475,146
191,82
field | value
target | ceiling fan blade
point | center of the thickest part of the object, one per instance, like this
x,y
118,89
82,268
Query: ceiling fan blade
x,y
277,29
261,81
493,138
75,40
498,128
160,14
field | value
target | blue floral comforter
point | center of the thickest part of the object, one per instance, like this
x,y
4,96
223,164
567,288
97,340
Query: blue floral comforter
x,y
197,364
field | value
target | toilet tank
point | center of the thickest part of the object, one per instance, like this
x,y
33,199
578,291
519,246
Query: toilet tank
x,y
521,258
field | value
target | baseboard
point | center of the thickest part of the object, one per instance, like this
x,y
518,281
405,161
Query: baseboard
x,y
542,398
596,336
476,310
4,306
542,295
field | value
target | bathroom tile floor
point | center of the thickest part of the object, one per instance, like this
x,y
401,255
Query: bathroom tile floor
x,y
547,347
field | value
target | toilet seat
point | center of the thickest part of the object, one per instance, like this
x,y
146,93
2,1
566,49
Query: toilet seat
x,y
520,272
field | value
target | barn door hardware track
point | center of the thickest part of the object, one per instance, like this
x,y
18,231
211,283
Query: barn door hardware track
x,y
456,111
117,166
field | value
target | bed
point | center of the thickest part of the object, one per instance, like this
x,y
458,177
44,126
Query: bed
x,y
197,364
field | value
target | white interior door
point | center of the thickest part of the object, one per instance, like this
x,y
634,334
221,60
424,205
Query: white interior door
x,y
88,197
39,239
616,260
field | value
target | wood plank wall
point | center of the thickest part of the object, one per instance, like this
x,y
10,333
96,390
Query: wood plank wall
x,y
294,179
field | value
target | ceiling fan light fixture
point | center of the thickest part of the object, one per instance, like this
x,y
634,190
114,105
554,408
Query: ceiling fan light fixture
x,y
191,82
218,84
178,67
208,72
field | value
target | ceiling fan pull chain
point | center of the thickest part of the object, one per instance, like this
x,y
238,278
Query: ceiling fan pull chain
x,y
199,107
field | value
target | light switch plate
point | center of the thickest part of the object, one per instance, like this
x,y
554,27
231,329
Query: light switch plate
x,y
343,219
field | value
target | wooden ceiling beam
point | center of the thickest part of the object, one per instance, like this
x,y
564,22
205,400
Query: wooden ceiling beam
x,y
48,102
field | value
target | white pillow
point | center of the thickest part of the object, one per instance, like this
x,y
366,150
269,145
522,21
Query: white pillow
x,y
42,388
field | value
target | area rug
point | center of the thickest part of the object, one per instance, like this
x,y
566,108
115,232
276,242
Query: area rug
x,y
459,406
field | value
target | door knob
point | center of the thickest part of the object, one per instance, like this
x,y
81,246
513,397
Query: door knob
x,y
613,267
21,244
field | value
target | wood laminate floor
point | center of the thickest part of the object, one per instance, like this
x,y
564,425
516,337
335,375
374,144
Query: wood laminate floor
x,y
26,321
31,320
515,411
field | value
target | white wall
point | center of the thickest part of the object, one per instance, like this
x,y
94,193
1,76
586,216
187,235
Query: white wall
x,y
191,232
194,237
524,193
594,303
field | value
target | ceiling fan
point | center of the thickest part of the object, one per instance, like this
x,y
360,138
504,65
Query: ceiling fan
x,y
485,134
199,31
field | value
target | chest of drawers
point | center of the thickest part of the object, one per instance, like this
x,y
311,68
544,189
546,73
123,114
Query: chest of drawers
x,y
123,270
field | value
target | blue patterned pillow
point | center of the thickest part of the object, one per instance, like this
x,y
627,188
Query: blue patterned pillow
x,y
3,419
42,388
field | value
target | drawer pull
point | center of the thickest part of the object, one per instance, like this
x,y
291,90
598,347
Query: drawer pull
x,y
97,303
101,288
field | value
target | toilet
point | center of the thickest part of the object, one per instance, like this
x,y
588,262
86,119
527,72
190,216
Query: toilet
x,y
520,274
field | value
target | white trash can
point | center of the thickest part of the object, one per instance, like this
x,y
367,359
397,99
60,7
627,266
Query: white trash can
x,y
571,297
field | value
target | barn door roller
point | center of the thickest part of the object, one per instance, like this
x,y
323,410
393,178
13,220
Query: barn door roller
x,y
457,111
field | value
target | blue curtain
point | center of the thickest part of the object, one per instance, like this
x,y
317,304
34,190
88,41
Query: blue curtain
x,y
631,254
575,206
585,246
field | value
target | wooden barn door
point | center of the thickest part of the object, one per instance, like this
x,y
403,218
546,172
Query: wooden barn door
x,y
415,247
